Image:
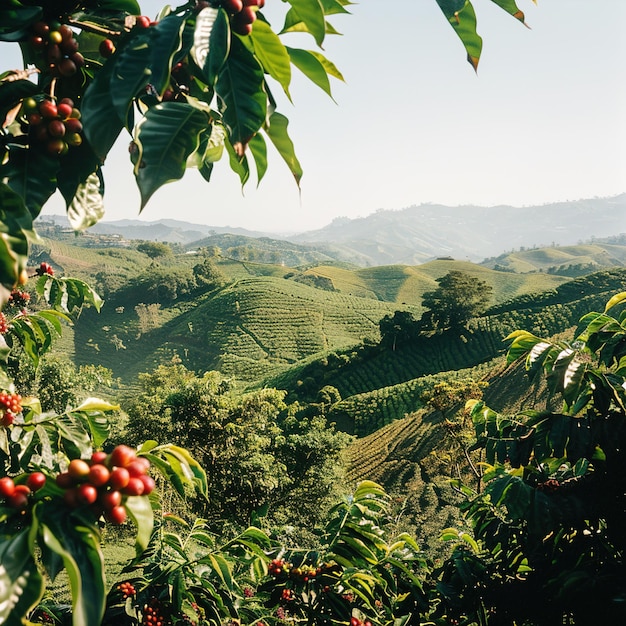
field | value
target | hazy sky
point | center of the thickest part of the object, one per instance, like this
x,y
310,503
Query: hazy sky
x,y
543,120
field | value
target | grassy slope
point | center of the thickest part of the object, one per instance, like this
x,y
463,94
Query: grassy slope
x,y
598,255
405,284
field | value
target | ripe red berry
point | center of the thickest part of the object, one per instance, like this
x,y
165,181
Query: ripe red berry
x,y
86,494
48,109
64,110
148,484
99,457
107,48
110,499
122,456
98,475
135,487
119,478
36,481
143,21
117,515
7,487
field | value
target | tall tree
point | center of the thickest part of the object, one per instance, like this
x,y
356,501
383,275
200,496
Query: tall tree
x,y
459,298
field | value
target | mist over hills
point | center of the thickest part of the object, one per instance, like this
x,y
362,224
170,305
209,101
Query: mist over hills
x,y
411,235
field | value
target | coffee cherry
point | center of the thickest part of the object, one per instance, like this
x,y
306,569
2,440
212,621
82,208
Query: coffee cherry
x,y
55,37
119,478
7,487
98,475
64,110
107,48
86,494
78,469
117,515
4,324
56,128
36,481
142,21
43,269
122,456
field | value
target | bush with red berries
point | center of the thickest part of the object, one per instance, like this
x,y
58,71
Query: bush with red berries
x,y
105,482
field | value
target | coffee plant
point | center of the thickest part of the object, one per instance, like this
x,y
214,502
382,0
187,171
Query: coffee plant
x,y
57,485
549,523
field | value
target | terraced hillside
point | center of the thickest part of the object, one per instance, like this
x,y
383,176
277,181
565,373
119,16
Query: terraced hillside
x,y
564,260
405,284
248,329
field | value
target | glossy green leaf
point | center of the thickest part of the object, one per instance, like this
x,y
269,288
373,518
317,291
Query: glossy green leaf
x,y
333,7
146,60
239,164
12,92
100,126
462,17
241,94
615,300
31,173
129,6
78,167
87,206
510,7
140,511
78,544
15,224
14,22
258,148
272,54
310,65
211,42
166,136
276,130
21,584
310,15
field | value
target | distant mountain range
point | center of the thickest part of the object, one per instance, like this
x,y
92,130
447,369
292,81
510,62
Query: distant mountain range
x,y
415,234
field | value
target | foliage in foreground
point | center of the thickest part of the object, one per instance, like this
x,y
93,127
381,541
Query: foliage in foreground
x,y
550,521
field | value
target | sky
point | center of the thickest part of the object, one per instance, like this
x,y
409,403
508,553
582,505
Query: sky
x,y
543,120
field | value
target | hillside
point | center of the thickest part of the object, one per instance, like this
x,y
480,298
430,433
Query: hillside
x,y
419,233
407,236
562,260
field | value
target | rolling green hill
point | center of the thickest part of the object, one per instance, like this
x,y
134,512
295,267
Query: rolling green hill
x,y
562,260
405,284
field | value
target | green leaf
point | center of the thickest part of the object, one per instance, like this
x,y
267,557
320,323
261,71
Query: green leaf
x,y
241,94
77,167
12,92
276,130
272,54
15,224
31,173
140,510
87,206
145,60
77,542
311,66
14,22
211,42
258,148
128,6
462,17
239,164
101,128
21,584
510,7
166,136
615,300
306,15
